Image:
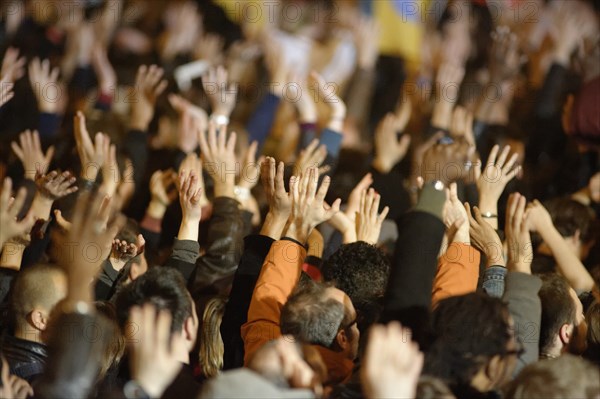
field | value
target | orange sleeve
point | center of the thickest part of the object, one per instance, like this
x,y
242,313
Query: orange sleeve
x,y
279,275
457,272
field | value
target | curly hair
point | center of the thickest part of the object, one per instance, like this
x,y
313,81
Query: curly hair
x,y
359,269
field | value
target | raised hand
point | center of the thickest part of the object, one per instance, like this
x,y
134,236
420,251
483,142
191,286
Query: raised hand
x,y
250,173
392,363
366,36
327,92
9,210
518,239
44,82
345,222
484,237
368,220
31,155
389,149
153,362
280,201
447,162
209,47
498,171
192,121
123,251
105,73
218,156
455,217
91,227
54,185
278,67
448,81
305,103
189,195
506,59
111,175
162,187
12,66
312,156
221,95
308,205
538,217
148,86
6,92
12,386
91,155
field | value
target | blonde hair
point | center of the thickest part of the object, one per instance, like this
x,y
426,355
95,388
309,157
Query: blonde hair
x,y
211,344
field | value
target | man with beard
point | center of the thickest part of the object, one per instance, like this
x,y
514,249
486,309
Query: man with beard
x,y
563,328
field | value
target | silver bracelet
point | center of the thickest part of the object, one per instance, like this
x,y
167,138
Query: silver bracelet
x,y
219,120
241,193
489,215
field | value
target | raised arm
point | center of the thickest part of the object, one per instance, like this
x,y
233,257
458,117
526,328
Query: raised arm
x,y
281,270
567,261
458,268
521,292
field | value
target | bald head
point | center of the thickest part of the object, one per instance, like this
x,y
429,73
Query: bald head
x,y
38,288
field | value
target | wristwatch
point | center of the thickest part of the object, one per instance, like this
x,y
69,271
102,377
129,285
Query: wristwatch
x,y
241,193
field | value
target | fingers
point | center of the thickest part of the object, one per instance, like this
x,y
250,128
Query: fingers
x,y
493,154
323,189
503,156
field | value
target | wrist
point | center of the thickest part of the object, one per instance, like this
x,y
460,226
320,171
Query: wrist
x,y
273,226
298,232
156,209
225,188
382,166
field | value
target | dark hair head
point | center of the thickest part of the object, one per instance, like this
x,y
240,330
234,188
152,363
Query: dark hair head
x,y
311,315
163,287
470,330
359,269
557,307
569,216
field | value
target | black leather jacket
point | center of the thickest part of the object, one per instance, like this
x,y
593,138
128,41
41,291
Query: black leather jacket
x,y
26,359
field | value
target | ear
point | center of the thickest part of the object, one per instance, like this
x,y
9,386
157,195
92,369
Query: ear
x,y
190,330
565,333
342,340
38,319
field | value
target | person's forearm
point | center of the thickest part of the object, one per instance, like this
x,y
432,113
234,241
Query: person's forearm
x,y
224,185
12,255
41,207
273,226
189,229
567,261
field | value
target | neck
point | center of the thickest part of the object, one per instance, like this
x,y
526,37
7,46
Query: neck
x,y
552,352
29,334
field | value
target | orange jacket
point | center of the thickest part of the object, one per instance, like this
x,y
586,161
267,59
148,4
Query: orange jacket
x,y
457,272
279,275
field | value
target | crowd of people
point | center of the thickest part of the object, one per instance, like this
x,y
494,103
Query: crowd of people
x,y
300,199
